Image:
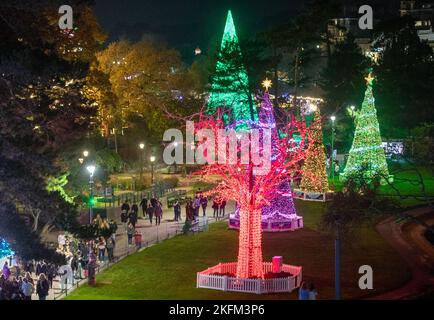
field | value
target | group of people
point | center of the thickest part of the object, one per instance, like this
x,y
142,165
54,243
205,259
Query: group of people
x,y
219,206
17,283
192,207
307,292
150,208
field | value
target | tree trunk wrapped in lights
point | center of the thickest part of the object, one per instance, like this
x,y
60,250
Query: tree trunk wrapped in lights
x,y
251,190
314,169
366,153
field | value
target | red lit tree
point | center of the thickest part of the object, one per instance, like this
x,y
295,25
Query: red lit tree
x,y
250,190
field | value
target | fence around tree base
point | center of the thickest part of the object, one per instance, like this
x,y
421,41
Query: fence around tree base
x,y
209,280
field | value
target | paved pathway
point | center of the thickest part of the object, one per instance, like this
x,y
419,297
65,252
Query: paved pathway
x,y
409,242
151,234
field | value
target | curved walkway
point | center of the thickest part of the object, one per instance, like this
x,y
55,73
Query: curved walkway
x,y
408,240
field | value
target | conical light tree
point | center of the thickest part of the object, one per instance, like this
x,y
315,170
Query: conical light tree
x,y
314,168
367,154
282,206
230,84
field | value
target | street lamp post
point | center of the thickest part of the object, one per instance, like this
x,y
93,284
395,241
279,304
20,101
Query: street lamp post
x,y
152,169
91,169
142,147
332,156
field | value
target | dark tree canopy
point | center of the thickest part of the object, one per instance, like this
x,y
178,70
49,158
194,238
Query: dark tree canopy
x,y
42,72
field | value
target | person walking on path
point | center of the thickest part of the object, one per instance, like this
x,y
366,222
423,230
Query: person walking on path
x,y
196,205
42,287
125,206
101,249
144,205
158,214
133,217
135,209
150,212
125,210
215,206
189,211
6,271
130,233
222,207
110,245
204,204
177,210
27,289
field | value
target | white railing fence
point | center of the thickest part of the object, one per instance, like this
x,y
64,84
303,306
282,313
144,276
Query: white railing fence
x,y
213,278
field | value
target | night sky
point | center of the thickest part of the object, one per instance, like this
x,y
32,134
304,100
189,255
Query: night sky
x,y
185,24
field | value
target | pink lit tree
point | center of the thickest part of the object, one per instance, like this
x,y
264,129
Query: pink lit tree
x,y
240,182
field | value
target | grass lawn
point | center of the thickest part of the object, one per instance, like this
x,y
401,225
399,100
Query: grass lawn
x,y
408,183
168,270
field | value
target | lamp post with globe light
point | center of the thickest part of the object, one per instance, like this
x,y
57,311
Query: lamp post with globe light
x,y
91,169
332,156
141,148
152,159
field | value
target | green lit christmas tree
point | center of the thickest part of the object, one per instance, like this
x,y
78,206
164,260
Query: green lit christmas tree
x,y
230,84
367,154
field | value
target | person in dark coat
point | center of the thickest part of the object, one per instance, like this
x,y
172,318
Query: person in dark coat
x,y
215,206
125,207
177,210
38,268
144,205
150,212
158,214
133,218
42,287
189,211
204,204
135,208
222,207
43,268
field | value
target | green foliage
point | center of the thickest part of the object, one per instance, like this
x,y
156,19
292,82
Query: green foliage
x,y
405,76
99,228
359,202
57,184
421,148
343,84
109,160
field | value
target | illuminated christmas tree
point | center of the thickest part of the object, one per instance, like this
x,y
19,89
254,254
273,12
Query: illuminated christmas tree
x,y
314,167
367,153
230,84
281,207
5,249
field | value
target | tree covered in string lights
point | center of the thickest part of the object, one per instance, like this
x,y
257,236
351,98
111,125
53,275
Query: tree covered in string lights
x,y
314,168
5,249
230,84
367,153
251,191
282,206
